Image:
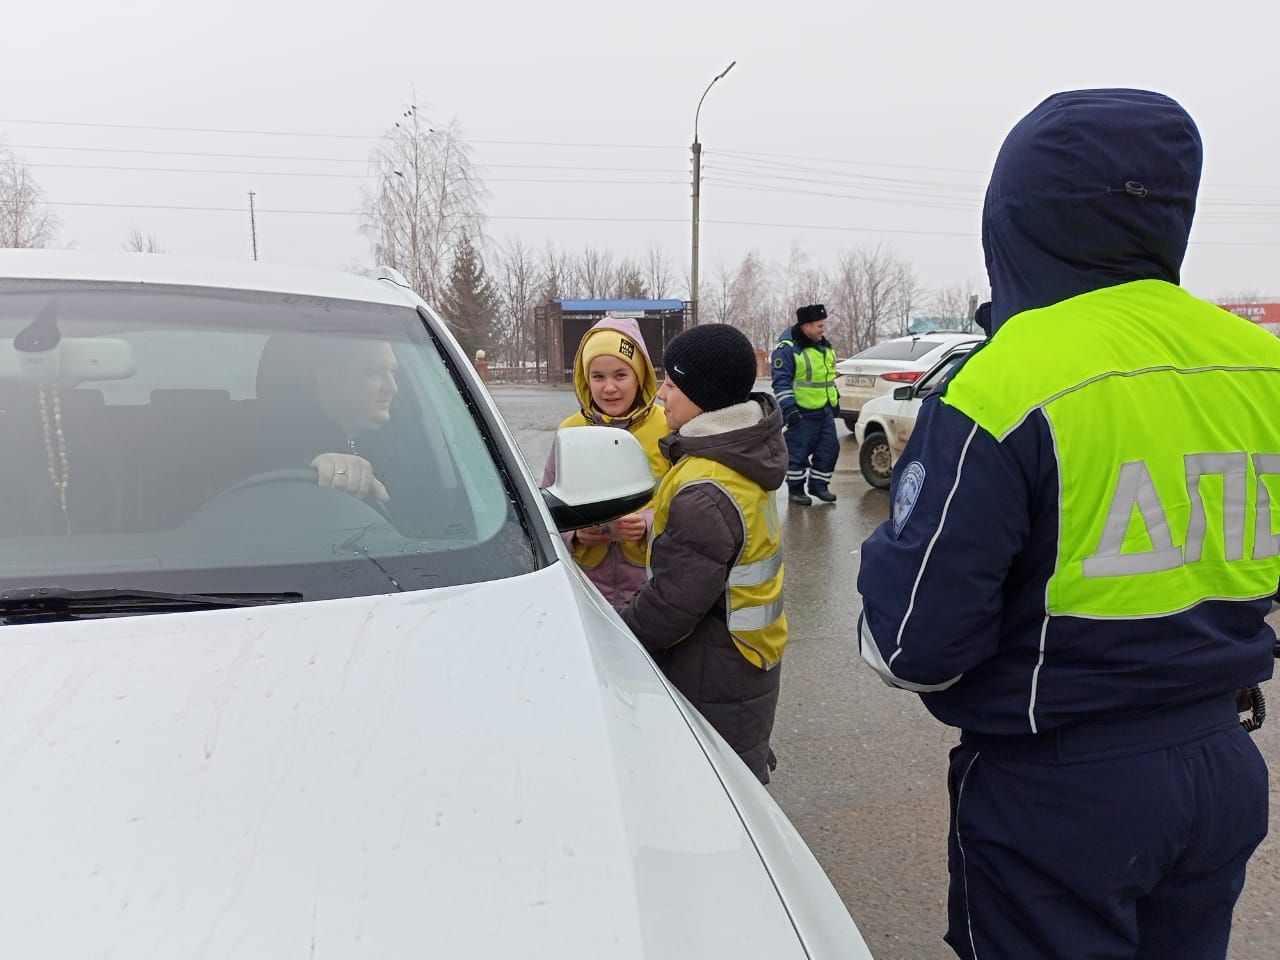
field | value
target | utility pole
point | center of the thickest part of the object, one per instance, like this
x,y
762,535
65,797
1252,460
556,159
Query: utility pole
x,y
697,193
253,226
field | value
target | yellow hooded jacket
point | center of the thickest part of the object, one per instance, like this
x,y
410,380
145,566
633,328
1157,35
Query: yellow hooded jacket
x,y
647,423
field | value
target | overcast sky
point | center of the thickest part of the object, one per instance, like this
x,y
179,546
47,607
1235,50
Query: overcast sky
x,y
843,124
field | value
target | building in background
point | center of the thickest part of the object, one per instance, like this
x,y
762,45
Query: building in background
x,y
562,324
1263,314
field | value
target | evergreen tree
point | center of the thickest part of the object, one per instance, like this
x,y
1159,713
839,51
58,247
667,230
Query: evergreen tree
x,y
469,300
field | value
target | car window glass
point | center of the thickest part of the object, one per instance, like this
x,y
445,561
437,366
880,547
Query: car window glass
x,y
941,370
169,440
898,350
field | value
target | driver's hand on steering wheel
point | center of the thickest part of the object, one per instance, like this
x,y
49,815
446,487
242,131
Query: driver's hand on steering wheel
x,y
349,473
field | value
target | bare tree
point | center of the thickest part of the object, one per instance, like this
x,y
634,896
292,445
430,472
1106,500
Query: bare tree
x,y
1240,297
852,332
868,291
516,285
25,219
137,242
657,273
754,302
880,274
427,201
717,300
628,281
910,294
950,306
804,283
597,275
559,273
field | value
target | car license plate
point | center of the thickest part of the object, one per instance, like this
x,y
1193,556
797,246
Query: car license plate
x,y
859,381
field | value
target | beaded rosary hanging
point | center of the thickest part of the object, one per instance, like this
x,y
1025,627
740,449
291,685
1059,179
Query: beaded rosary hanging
x,y
55,446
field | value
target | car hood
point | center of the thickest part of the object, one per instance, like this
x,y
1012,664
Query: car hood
x,y
489,770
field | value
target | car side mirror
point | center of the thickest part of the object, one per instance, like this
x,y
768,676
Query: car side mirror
x,y
903,393
602,473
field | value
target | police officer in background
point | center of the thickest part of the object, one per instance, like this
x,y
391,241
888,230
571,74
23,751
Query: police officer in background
x,y
804,381
1083,546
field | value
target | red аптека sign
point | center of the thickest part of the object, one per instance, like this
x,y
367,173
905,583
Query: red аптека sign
x,y
1264,314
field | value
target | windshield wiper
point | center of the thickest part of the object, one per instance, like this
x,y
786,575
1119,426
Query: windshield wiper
x,y
39,604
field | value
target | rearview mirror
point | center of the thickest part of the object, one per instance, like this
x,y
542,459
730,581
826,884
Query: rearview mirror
x,y
71,361
903,393
602,473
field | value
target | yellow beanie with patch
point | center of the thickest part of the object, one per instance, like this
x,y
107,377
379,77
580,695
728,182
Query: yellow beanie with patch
x,y
613,343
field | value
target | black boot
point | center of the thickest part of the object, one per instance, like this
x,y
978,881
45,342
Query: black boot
x,y
826,496
798,496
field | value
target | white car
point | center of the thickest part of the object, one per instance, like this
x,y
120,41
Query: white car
x,y
878,370
886,423
247,714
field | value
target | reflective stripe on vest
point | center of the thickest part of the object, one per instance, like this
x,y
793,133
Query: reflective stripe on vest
x,y
753,594
1162,411
816,387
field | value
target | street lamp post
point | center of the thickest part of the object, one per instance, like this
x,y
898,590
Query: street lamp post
x,y
697,190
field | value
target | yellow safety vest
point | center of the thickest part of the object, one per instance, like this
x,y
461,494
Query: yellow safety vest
x,y
1172,506
814,382
755,615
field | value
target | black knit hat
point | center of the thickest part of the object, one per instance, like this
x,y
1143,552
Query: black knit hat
x,y
811,314
713,364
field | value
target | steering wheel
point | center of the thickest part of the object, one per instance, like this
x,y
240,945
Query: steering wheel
x,y
307,475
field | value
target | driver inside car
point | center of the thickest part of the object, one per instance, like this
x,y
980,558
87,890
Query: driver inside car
x,y
324,397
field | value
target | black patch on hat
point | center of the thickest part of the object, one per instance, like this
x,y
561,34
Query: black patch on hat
x,y
627,348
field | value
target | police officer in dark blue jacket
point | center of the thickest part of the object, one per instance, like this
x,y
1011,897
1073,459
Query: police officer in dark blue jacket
x,y
1082,550
804,381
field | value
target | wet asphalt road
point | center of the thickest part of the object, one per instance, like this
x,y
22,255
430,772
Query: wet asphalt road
x,y
862,767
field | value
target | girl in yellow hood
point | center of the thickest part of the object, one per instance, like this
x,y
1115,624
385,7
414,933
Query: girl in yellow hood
x,y
616,387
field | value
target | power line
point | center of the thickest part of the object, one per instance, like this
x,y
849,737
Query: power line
x,y
192,153
339,176
970,235
136,126
366,161
882,184
334,136
771,165
739,156
745,154
893,201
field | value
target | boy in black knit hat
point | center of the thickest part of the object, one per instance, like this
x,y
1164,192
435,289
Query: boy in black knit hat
x,y
711,611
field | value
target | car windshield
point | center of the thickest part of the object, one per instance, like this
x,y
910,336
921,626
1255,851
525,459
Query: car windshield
x,y
174,439
898,350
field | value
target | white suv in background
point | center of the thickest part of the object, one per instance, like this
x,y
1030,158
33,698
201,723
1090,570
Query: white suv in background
x,y
877,370
888,421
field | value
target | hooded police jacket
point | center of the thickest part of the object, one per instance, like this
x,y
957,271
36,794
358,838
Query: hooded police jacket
x,y
1082,523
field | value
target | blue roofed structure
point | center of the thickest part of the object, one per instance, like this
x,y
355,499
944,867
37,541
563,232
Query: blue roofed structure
x,y
592,306
564,322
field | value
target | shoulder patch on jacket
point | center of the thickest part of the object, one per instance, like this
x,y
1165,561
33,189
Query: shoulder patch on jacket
x,y
910,483
777,362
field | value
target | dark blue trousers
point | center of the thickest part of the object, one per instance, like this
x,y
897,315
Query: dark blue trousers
x,y
812,450
1139,857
